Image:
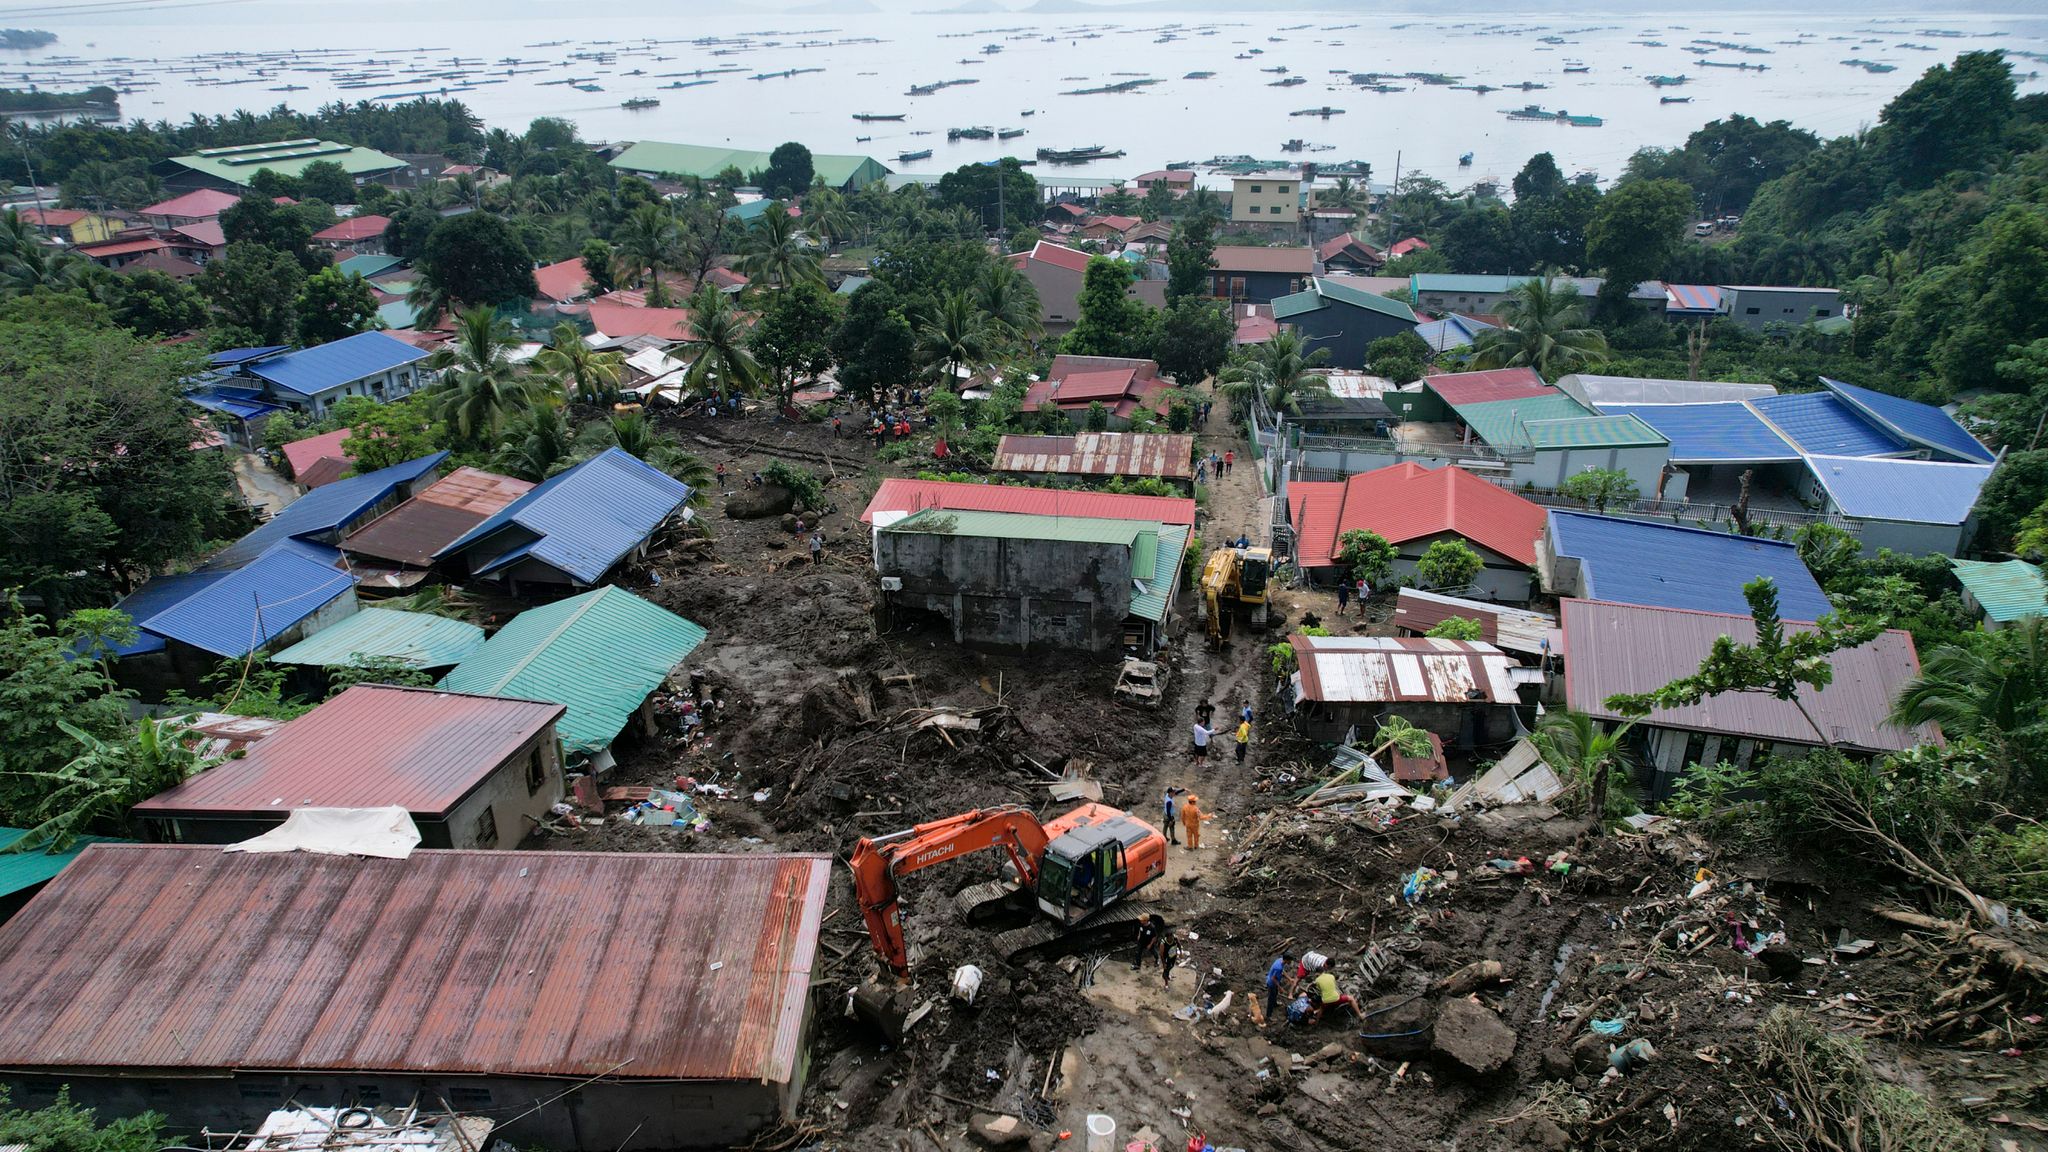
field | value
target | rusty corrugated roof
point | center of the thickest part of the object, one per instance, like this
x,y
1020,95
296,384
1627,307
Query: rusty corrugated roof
x,y
438,516
904,495
374,745
1615,648
1511,629
1397,669
567,964
1100,454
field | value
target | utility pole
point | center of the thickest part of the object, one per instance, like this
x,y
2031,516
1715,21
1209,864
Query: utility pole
x,y
1002,215
1390,198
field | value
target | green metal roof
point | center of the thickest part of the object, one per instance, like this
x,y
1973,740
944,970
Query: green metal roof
x,y
655,158
21,870
239,164
599,655
1023,526
1173,545
417,638
1501,422
1592,432
367,266
1324,288
2007,590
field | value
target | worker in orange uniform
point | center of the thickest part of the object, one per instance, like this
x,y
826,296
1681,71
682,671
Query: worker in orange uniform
x,y
1191,817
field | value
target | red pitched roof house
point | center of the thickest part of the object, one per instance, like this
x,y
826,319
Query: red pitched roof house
x,y
199,242
1347,253
362,235
175,267
1404,247
563,282
118,253
192,207
1179,181
1412,507
1121,384
1108,227
318,460
1056,271
898,497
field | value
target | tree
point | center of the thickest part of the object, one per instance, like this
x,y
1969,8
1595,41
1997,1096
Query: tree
x,y
2017,487
1634,233
1545,331
43,690
1539,179
1600,488
332,304
1482,241
476,259
1190,254
279,227
328,182
391,434
874,344
648,241
1551,230
1366,556
578,369
1096,417
1112,322
1399,357
955,341
1578,749
722,362
1457,628
1009,302
792,342
1448,566
1779,663
1279,373
636,436
1158,202
480,385
106,777
155,305
1993,692
255,290
537,442
996,194
1950,119
66,1127
776,254
600,265
1194,340
789,171
98,481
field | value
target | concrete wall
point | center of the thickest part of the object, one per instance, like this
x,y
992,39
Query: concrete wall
x,y
1265,200
1012,593
1755,307
603,1116
1346,331
1254,287
1502,579
1552,467
392,385
1909,538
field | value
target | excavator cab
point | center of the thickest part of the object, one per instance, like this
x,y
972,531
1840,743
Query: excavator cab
x,y
1090,868
1253,571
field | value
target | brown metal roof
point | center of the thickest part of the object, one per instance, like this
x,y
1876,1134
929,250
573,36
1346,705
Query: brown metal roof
x,y
435,518
1512,629
1299,260
1396,669
1616,648
373,745
569,964
1099,454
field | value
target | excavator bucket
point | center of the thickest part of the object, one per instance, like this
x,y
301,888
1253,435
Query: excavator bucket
x,y
891,1009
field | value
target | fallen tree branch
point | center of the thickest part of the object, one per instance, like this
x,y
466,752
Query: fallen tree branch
x,y
2008,954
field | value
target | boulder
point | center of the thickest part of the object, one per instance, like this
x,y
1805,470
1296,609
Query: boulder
x,y
1470,1036
998,1130
1470,978
1396,1025
759,503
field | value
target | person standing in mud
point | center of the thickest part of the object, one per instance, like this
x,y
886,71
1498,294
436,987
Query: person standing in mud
x,y
1276,975
1191,817
1244,739
817,547
1151,932
1171,801
1201,734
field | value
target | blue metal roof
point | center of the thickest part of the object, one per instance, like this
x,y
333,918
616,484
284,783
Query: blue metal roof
x,y
1819,424
234,356
327,508
1453,331
1915,491
247,608
584,520
158,594
218,400
311,371
1666,566
1723,433
1914,422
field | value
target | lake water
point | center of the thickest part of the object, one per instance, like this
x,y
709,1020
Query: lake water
x,y
867,61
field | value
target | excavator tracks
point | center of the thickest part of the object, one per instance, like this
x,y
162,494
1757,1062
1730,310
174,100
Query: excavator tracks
x,y
1043,933
978,901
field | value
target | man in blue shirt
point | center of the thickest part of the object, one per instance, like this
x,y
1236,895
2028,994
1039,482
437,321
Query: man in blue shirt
x,y
1275,976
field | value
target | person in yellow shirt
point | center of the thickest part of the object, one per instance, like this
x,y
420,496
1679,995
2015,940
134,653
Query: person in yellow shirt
x,y
1244,739
1328,996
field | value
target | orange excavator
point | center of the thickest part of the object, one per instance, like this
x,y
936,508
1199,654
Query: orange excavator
x,y
1077,868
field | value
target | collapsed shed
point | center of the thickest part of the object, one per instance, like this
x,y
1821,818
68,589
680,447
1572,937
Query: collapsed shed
x,y
1344,686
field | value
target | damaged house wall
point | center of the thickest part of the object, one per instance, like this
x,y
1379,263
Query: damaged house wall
x,y
1012,593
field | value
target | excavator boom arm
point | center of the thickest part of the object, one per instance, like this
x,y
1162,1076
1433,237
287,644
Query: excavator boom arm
x,y
877,862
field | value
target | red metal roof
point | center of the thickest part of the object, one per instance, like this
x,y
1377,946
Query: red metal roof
x,y
1084,386
372,746
51,217
1616,648
1113,223
1301,261
301,454
1409,502
438,516
326,470
164,262
906,496
1099,454
355,228
121,247
618,319
1481,387
566,964
1171,176
1411,244
204,204
1072,259
1338,245
564,281
207,233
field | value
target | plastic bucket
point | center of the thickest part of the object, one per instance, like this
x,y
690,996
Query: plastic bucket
x,y
1101,1133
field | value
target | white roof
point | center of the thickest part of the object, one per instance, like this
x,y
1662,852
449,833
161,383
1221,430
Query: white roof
x,y
1389,669
1593,391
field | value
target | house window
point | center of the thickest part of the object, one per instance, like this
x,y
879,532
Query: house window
x,y
1823,311
1751,311
1256,188
1253,209
486,835
1283,188
467,1096
536,772
1237,285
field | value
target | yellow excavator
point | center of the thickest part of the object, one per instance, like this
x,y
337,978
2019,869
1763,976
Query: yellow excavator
x,y
1233,579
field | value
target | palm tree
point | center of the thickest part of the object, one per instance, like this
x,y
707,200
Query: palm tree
x,y
826,215
480,385
955,339
26,264
581,370
536,440
1583,753
775,252
1545,330
1202,202
98,786
722,359
1995,693
1010,302
648,241
637,436
1341,195
1280,372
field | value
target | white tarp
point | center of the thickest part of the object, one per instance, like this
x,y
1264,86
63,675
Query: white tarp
x,y
385,832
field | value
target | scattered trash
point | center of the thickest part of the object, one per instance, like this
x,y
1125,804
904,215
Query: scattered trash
x,y
1607,1027
1633,1054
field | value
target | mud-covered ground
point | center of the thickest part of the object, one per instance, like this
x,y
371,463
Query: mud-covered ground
x,y
811,743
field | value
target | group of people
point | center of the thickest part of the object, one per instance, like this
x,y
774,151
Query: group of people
x,y
1217,463
1349,588
1157,942
1310,972
1203,731
1179,802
